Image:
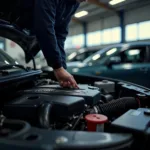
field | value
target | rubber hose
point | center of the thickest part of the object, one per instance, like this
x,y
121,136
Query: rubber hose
x,y
118,107
17,126
44,115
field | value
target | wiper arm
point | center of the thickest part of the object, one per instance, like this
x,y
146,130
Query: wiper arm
x,y
4,67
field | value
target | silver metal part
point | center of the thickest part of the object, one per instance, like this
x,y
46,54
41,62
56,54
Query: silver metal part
x,y
61,140
95,109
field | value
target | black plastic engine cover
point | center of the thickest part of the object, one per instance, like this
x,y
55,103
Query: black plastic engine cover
x,y
28,106
89,93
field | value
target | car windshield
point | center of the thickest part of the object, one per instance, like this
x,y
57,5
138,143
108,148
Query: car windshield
x,y
80,55
102,56
5,59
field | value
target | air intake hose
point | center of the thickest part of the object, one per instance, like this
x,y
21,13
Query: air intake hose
x,y
44,115
117,107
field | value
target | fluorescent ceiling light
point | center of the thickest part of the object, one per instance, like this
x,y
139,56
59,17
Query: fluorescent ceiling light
x,y
81,14
114,2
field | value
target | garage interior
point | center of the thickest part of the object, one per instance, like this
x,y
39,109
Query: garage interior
x,y
125,21
101,101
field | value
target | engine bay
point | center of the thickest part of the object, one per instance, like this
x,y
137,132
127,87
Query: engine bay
x,y
101,114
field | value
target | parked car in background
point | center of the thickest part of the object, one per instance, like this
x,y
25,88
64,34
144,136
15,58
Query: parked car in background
x,y
77,57
129,62
81,54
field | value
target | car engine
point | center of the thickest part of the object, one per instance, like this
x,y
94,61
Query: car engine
x,y
102,114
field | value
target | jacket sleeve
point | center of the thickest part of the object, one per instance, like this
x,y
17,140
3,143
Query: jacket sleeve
x,y
61,38
61,44
45,11
62,32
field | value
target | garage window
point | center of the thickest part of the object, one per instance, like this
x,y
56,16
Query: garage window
x,y
132,32
76,41
94,38
144,30
68,43
116,35
107,36
133,55
112,35
138,31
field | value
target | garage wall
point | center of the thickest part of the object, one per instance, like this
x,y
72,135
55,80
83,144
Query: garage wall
x,y
101,24
110,22
137,15
75,30
94,26
131,16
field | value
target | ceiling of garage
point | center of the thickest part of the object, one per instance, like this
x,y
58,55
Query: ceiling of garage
x,y
102,9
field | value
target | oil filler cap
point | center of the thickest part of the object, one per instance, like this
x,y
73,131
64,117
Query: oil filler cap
x,y
95,122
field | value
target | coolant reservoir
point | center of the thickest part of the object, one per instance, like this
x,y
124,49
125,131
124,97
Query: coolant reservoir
x,y
109,86
95,122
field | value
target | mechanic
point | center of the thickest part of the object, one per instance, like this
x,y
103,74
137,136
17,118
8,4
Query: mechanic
x,y
50,19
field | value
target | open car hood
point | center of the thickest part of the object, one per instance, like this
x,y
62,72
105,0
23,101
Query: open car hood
x,y
28,43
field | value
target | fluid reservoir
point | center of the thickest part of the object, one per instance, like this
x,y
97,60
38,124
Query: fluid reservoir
x,y
109,86
95,122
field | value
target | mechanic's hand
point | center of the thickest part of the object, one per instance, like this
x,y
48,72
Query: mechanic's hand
x,y
65,79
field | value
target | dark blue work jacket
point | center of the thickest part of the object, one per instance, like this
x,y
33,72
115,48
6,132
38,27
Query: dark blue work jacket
x,y
49,20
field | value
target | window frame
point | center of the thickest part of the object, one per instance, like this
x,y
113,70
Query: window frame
x,y
133,47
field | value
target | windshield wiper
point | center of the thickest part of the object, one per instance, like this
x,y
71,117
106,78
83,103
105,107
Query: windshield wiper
x,y
4,67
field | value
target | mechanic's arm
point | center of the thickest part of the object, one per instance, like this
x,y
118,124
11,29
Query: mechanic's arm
x,y
61,43
62,32
45,11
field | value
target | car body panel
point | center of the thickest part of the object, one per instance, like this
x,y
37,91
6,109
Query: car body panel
x,y
119,47
135,73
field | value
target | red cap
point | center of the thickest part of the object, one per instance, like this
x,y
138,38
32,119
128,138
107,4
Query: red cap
x,y
94,119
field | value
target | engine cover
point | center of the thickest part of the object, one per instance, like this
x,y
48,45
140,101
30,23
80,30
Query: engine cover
x,y
89,93
28,107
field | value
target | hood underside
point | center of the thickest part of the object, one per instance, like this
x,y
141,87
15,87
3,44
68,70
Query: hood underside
x,y
28,43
